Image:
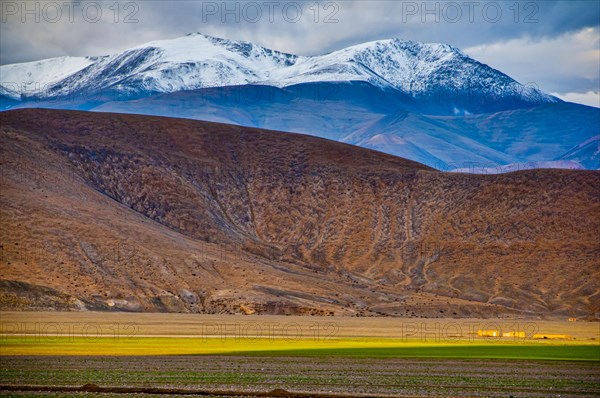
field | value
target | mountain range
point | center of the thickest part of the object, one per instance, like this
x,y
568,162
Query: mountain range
x,y
103,211
426,102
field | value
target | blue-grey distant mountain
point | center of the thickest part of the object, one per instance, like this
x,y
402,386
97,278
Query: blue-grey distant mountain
x,y
359,114
427,102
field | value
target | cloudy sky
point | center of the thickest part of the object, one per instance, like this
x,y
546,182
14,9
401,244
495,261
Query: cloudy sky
x,y
554,44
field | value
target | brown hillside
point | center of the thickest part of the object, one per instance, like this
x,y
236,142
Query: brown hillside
x,y
107,211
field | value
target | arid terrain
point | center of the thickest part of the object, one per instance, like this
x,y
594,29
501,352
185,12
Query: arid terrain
x,y
139,213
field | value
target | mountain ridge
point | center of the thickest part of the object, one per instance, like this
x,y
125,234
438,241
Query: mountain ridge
x,y
158,214
198,61
355,114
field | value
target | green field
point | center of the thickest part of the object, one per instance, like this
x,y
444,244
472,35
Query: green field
x,y
321,376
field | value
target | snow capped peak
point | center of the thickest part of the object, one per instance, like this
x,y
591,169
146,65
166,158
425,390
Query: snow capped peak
x,y
197,46
32,77
431,51
198,60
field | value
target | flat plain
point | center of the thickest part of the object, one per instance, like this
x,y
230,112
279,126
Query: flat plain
x,y
128,354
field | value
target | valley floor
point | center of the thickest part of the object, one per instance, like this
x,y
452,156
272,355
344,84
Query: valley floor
x,y
128,354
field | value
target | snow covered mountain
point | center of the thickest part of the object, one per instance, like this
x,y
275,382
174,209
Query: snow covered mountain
x,y
415,70
188,63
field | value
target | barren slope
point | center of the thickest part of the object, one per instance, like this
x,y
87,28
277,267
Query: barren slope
x,y
147,213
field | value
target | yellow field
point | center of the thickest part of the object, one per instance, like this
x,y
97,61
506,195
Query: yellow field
x,y
179,334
